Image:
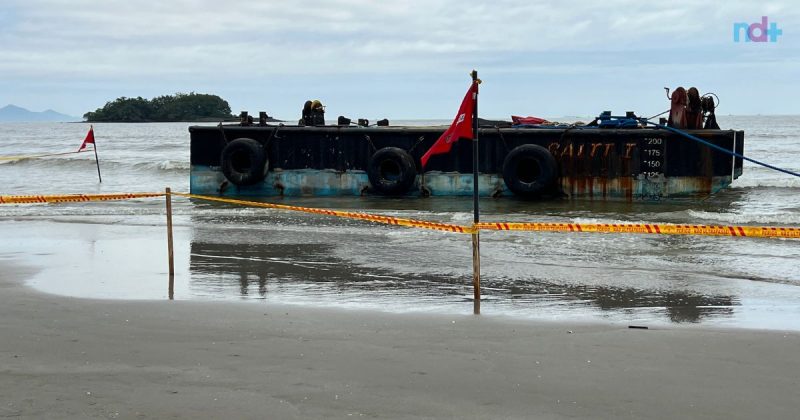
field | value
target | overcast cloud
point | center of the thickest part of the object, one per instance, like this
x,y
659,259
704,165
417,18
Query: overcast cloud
x,y
402,59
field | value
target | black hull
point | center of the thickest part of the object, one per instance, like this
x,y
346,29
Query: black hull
x,y
591,163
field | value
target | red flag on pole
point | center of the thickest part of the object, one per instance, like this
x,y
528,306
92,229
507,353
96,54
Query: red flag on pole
x,y
461,127
89,138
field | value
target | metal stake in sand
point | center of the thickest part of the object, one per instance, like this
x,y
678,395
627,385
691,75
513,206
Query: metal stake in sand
x,y
90,140
97,162
476,240
168,196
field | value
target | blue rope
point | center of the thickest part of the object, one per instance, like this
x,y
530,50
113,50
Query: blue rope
x,y
730,152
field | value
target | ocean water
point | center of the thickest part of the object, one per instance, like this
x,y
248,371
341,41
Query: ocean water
x,y
117,250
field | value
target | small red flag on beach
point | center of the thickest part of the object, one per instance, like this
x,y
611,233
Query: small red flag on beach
x,y
461,127
89,138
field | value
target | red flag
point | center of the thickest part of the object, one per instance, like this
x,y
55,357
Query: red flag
x,y
461,127
89,138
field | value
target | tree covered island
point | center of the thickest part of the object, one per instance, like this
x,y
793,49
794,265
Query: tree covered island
x,y
170,108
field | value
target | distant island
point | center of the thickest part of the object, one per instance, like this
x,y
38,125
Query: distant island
x,y
13,113
191,107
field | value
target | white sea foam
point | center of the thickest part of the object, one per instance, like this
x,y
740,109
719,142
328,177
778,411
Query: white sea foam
x,y
787,181
773,218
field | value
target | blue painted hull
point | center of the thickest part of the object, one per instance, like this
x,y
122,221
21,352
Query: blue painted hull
x,y
208,180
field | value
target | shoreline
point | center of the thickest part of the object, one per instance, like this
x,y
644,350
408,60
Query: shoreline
x,y
123,257
75,358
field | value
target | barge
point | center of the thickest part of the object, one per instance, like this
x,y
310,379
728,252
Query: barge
x,y
620,161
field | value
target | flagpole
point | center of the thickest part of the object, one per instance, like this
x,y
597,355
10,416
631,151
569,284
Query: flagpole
x,y
476,251
96,160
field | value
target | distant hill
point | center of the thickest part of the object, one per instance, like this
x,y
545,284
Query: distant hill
x,y
13,113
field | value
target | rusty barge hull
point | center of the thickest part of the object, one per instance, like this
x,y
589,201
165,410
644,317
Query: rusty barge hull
x,y
589,163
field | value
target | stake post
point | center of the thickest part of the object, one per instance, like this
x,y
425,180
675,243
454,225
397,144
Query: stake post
x,y
476,240
170,255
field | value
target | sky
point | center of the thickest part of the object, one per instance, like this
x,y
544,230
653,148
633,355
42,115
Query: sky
x,y
398,59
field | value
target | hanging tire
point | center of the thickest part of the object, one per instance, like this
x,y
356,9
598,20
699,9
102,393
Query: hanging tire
x,y
244,161
530,170
391,171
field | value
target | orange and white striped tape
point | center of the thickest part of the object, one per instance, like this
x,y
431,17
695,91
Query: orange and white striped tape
x,y
657,229
70,198
388,220
662,229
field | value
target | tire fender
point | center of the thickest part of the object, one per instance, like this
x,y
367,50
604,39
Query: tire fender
x,y
530,170
244,161
391,171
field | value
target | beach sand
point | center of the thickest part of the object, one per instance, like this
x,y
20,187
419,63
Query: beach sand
x,y
67,357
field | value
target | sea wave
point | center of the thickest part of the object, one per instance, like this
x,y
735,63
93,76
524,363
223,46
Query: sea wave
x,y
775,218
773,136
786,182
9,161
164,165
54,164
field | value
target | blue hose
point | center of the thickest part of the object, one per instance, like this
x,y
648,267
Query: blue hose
x,y
730,152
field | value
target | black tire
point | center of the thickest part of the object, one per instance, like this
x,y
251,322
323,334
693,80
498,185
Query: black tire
x,y
244,161
391,171
530,170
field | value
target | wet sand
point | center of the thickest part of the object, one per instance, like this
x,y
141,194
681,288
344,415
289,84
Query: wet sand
x,y
66,357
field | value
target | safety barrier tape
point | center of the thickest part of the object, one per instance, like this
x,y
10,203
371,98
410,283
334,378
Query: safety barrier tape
x,y
388,220
67,198
657,229
662,229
